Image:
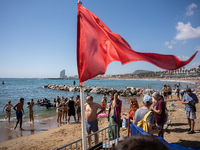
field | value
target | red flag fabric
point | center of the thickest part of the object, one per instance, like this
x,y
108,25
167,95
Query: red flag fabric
x,y
97,46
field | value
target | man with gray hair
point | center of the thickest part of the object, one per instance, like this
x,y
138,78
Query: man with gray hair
x,y
190,99
159,111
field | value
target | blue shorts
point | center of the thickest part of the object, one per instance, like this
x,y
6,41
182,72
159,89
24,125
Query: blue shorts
x,y
19,115
91,126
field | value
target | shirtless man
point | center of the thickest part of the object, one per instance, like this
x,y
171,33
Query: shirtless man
x,y
169,89
165,91
32,102
19,108
91,117
8,110
30,106
78,105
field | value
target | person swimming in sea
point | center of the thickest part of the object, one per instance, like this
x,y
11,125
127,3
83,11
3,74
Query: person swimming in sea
x,y
8,110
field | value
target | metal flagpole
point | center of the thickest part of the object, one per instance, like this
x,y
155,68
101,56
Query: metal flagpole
x,y
82,112
83,117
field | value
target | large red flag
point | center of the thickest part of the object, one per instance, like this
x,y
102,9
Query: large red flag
x,y
97,46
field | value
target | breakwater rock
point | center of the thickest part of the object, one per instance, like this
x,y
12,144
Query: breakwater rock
x,y
129,91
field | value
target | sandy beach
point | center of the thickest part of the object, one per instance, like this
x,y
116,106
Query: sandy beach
x,y
60,135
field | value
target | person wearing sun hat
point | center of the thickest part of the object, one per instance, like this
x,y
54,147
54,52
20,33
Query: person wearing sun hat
x,y
190,99
141,112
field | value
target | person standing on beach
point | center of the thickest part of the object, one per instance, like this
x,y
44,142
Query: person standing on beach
x,y
190,99
78,105
91,117
177,93
65,109
141,112
104,103
114,115
8,110
59,110
165,92
19,109
159,112
71,109
32,102
169,90
30,106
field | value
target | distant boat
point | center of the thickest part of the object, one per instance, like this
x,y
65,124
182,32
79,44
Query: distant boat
x,y
2,82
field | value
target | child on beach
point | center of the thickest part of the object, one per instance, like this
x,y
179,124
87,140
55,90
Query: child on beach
x,y
8,110
30,106
19,109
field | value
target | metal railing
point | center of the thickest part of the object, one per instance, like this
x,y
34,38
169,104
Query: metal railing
x,y
102,138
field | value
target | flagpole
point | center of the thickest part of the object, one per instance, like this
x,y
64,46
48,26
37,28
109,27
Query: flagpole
x,y
83,117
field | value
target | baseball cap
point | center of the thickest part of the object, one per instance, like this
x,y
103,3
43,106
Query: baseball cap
x,y
147,99
188,90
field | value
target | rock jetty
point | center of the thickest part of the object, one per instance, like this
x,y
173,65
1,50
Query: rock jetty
x,y
129,91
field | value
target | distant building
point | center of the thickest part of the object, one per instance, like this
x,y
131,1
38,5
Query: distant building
x,y
62,74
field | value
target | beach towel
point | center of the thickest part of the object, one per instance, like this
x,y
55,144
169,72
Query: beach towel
x,y
117,110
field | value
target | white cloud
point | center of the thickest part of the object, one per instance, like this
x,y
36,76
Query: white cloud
x,y
186,31
190,8
184,42
170,46
196,64
173,42
183,58
198,48
166,43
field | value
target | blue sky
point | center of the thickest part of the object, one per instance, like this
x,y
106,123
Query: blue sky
x,y
38,37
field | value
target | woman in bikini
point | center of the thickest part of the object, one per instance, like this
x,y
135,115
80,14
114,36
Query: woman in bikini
x,y
65,109
30,106
8,110
59,110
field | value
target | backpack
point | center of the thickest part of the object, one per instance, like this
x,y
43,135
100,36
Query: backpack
x,y
143,123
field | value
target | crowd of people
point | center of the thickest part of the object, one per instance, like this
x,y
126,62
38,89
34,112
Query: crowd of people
x,y
65,109
150,117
